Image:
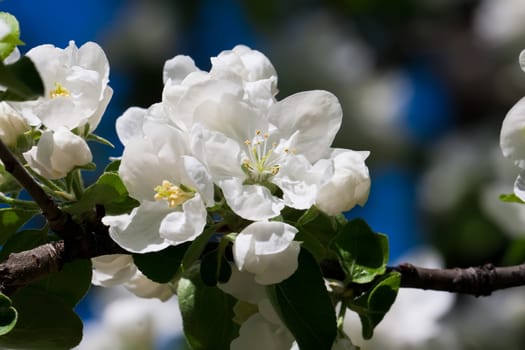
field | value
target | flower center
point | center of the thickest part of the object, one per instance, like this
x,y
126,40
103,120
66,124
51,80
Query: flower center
x,y
173,194
262,162
59,91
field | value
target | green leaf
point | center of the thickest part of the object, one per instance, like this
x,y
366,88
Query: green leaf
x,y
69,284
8,315
12,39
100,139
44,323
363,254
161,266
113,166
21,80
109,191
510,198
215,268
373,305
207,313
304,305
11,220
196,248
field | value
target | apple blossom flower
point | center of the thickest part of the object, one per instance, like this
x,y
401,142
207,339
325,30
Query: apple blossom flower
x,y
12,124
57,153
119,269
76,90
267,249
4,28
511,138
172,186
348,186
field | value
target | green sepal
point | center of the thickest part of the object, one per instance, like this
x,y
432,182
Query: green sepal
x,y
304,305
100,139
12,39
22,80
375,303
8,315
510,198
362,253
207,313
161,266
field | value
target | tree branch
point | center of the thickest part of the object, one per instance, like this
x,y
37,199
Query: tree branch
x,y
478,281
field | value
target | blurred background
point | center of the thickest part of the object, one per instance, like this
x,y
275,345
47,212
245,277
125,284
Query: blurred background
x,y
424,86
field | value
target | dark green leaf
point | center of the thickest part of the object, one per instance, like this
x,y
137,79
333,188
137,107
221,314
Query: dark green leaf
x,y
44,323
108,191
8,315
21,80
23,240
11,220
373,305
510,198
215,268
69,284
363,254
304,305
113,166
207,313
196,248
161,266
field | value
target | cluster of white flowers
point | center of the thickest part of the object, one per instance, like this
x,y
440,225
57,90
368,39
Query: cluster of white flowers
x,y
512,142
76,95
224,131
220,144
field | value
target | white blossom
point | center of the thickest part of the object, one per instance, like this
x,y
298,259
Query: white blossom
x,y
76,90
267,249
57,153
119,269
349,185
173,189
4,28
12,124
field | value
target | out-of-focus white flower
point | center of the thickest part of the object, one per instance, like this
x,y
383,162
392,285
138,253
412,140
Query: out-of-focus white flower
x,y
127,322
119,269
4,28
509,16
57,153
12,124
173,189
413,319
266,327
267,249
76,90
349,185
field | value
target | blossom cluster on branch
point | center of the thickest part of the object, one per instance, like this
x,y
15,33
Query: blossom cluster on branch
x,y
224,195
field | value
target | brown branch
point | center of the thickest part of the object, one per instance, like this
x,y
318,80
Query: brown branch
x,y
478,281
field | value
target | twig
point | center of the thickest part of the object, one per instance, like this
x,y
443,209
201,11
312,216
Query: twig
x,y
478,281
59,222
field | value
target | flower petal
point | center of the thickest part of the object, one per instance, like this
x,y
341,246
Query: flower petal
x,y
512,141
185,225
317,115
138,231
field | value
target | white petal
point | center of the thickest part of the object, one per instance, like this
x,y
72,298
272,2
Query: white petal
x,y
252,202
112,270
177,68
199,177
138,231
349,186
269,237
512,141
129,124
519,186
185,225
317,115
143,287
243,287
279,266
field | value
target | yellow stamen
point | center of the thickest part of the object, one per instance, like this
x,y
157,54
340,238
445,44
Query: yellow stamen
x,y
59,91
173,194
